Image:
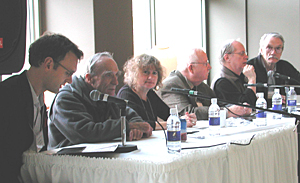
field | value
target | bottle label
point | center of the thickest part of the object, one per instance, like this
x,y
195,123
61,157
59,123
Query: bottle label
x,y
277,107
214,121
260,114
292,103
173,135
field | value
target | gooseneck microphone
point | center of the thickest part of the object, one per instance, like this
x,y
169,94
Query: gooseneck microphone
x,y
258,85
280,76
200,95
96,95
284,77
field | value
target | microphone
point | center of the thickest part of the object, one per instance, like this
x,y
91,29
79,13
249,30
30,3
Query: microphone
x,y
96,95
280,76
185,91
189,92
257,85
196,94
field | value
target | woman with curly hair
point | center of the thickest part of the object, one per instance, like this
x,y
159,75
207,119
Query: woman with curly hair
x,y
143,75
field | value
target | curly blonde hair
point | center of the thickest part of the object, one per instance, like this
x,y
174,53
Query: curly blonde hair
x,y
135,64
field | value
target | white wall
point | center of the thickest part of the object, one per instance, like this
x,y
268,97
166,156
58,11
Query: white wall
x,y
226,20
74,19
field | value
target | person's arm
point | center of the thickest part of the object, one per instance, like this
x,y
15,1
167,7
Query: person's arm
x,y
249,72
224,89
79,121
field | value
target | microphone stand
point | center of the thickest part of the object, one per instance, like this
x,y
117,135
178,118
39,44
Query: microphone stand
x,y
123,147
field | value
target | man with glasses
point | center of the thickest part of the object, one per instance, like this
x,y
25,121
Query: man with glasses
x,y
192,69
75,118
53,59
229,83
268,62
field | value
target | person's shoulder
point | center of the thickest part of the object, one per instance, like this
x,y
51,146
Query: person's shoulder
x,y
175,78
123,89
222,81
283,63
15,82
253,60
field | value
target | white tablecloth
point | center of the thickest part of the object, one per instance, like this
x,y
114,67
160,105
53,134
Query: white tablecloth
x,y
271,157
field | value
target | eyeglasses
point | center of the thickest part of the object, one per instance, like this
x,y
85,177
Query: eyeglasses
x,y
205,64
277,49
69,73
242,53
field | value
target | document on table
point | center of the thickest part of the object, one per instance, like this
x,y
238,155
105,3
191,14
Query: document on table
x,y
88,148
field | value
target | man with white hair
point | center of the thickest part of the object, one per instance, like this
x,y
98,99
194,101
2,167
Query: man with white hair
x,y
268,62
192,69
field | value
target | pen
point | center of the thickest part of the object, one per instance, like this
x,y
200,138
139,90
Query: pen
x,y
192,110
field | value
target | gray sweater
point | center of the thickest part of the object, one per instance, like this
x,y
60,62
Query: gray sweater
x,y
75,118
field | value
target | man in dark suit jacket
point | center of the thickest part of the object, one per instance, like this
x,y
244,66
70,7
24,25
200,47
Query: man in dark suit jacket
x,y
53,59
268,62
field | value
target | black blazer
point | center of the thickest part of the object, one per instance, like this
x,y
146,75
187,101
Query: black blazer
x,y
16,118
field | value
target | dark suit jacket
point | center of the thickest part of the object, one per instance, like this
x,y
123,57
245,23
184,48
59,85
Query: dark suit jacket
x,y
16,116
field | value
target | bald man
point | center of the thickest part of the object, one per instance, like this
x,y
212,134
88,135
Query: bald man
x,y
192,69
75,118
229,83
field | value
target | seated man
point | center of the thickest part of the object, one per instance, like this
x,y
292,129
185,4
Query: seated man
x,y
229,83
268,62
76,118
192,69
53,59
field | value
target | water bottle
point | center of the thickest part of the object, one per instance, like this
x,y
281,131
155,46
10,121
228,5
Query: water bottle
x,y
214,118
277,103
292,100
173,131
260,114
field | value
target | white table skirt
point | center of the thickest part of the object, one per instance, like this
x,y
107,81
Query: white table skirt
x,y
271,157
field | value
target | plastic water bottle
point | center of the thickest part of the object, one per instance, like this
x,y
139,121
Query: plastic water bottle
x,y
173,131
214,118
277,103
260,114
292,100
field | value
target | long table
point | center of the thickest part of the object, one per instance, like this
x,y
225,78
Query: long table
x,y
271,156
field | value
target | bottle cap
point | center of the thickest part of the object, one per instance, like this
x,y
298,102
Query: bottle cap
x,y
260,95
214,100
173,111
292,88
276,90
